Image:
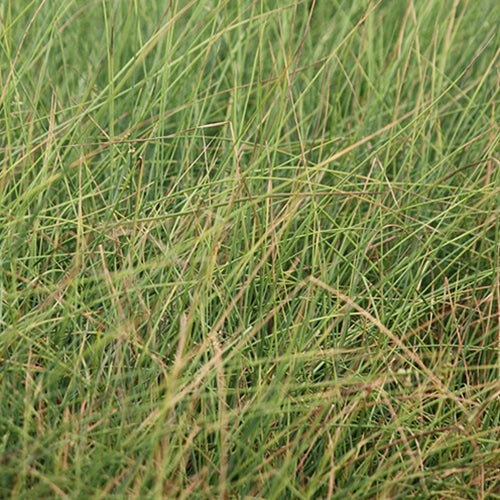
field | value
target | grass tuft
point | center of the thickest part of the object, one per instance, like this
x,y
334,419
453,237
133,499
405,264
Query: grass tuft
x,y
249,249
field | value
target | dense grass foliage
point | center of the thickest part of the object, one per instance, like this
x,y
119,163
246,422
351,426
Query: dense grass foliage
x,y
249,249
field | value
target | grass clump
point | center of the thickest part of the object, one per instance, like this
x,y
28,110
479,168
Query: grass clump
x,y
249,249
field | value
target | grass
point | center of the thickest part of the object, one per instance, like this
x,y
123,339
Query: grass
x,y
249,249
